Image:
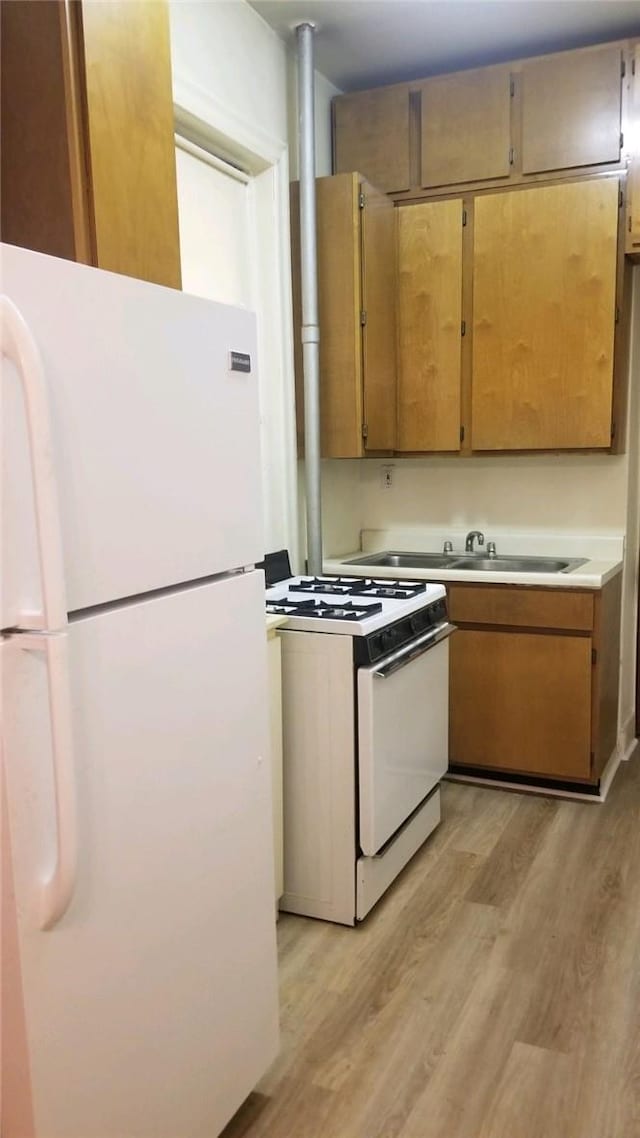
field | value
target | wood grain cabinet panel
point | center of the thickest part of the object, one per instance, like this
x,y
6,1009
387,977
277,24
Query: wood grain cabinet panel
x,y
571,109
127,64
371,135
429,325
534,679
521,702
544,292
88,159
521,607
356,289
632,237
466,127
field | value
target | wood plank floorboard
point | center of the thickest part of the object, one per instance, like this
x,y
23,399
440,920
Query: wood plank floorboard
x,y
493,993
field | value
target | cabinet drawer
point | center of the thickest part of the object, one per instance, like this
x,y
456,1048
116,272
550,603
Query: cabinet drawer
x,y
520,607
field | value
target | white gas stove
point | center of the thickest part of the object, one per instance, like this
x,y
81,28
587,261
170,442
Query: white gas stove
x,y
353,606
365,732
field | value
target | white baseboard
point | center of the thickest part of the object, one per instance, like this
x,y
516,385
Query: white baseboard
x,y
627,738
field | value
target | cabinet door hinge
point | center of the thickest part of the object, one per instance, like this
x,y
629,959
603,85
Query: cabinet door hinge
x,y
363,318
613,431
633,66
629,225
464,217
621,140
362,201
623,69
594,655
620,199
461,434
463,328
617,315
512,155
512,87
365,431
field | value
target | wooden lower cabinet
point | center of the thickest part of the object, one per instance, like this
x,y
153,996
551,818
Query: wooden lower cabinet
x,y
534,680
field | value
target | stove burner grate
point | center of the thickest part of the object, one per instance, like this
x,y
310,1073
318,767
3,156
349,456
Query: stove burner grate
x,y
388,589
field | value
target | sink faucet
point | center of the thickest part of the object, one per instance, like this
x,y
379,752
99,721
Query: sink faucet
x,y
470,538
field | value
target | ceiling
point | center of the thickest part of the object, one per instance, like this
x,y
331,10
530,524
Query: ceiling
x,y
367,43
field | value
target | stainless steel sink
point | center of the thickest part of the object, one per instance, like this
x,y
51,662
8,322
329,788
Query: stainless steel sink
x,y
516,564
390,560
471,561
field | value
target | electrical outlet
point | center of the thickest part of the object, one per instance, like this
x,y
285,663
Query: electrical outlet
x,y
386,477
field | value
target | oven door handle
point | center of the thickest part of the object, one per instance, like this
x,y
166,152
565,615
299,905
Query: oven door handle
x,y
416,648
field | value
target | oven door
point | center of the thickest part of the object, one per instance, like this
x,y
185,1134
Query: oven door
x,y
403,734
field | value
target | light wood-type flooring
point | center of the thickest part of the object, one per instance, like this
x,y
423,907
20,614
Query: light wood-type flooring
x,y
493,993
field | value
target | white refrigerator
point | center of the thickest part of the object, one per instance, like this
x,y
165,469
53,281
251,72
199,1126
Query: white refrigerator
x,y
139,957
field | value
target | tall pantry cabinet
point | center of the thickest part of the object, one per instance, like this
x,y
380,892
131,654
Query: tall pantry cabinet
x,y
88,165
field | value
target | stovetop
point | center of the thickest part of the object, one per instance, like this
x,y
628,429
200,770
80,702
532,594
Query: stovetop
x,y
353,606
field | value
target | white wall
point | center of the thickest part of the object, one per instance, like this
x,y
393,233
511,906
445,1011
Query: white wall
x,y
230,91
630,578
228,53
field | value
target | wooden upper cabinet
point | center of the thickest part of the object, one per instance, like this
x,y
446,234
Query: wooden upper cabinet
x,y
632,245
571,109
466,127
544,294
429,325
88,161
356,285
371,135
379,292
127,66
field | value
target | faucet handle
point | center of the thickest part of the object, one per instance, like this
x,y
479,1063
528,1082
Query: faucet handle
x,y
447,547
491,549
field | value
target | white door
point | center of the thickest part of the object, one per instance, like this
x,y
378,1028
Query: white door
x,y
151,1004
403,737
155,440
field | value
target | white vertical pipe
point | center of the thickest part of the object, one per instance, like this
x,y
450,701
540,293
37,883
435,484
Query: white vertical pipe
x,y
309,290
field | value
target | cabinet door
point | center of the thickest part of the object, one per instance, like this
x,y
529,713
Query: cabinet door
x,y
466,127
371,134
429,325
521,702
633,183
571,109
88,161
378,220
129,103
43,194
544,290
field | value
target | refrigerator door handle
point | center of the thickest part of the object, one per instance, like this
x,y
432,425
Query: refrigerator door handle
x,y
56,892
18,345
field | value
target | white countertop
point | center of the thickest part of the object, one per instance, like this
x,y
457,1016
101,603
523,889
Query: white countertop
x,y
603,553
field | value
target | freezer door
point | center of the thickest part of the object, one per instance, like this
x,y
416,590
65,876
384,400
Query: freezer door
x,y
155,434
150,1005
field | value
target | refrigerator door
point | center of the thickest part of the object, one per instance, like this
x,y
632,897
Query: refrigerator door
x,y
150,1005
154,434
